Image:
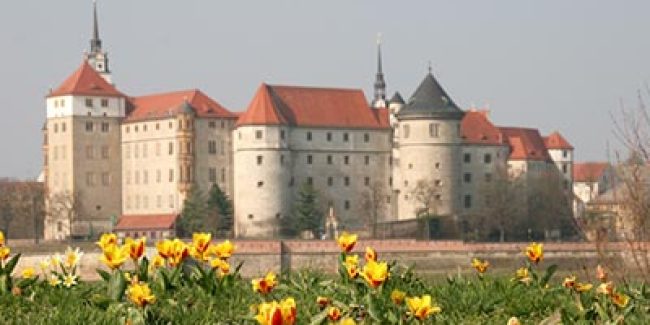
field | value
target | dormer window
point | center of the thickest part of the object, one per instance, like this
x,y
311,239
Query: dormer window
x,y
89,102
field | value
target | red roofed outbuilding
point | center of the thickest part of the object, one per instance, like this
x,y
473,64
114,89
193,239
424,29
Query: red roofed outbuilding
x,y
155,226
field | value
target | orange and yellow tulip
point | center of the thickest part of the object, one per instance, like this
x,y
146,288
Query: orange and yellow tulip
x,y
371,254
347,241
266,284
140,294
114,256
397,296
135,247
480,266
535,252
333,314
4,253
107,240
421,307
223,250
375,273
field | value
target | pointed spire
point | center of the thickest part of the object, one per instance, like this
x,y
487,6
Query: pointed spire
x,y
95,42
380,85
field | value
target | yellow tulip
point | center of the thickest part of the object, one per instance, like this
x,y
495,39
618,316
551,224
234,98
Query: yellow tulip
x,y
157,262
200,245
54,280
347,321
397,296
224,249
274,313
4,253
180,251
69,280
135,247
107,240
2,239
375,273
569,282
620,299
535,252
352,260
371,254
29,273
583,287
72,257
421,308
606,288
480,266
165,248
220,264
347,241
266,284
140,294
114,256
513,321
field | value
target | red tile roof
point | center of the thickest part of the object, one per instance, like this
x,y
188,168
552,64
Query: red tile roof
x,y
161,105
146,222
311,107
589,171
475,128
88,82
556,141
525,144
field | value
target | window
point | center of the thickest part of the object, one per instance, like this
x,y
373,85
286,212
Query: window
x,y
158,203
366,160
282,134
434,130
487,158
346,137
407,130
158,176
137,177
144,128
105,151
488,177
212,174
171,124
309,159
105,126
258,134
145,177
135,128
223,174
144,150
212,124
308,136
128,177
89,102
90,152
346,160
310,181
171,175
171,148
366,137
467,178
467,158
366,181
259,160
127,151
329,136
468,201
157,149
223,124
565,153
260,184
136,150
222,146
104,102
346,181
346,205
437,182
565,168
157,126
89,126
281,159
106,179
330,181
212,147
90,179
171,200
329,159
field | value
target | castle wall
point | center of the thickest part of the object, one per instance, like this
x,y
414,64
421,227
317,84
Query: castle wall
x,y
484,164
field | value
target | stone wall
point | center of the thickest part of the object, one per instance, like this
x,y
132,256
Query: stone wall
x,y
428,257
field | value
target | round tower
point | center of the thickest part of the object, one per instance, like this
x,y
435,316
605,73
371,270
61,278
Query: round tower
x,y
429,145
264,166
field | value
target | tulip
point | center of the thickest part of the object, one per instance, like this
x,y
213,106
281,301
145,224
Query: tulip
x,y
371,254
397,296
4,253
72,257
569,282
421,308
2,239
620,299
140,294
333,314
29,273
220,264
480,266
266,284
200,244
269,313
513,321
583,287
601,274
179,252
54,280
347,321
114,256
224,250
375,273
535,252
322,301
107,240
135,247
69,280
347,241
288,307
157,262
165,248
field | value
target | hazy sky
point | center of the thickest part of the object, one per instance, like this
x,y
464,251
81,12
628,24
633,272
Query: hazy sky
x,y
555,65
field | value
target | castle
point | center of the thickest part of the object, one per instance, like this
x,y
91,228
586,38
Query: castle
x,y
116,161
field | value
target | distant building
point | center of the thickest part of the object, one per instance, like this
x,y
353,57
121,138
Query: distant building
x,y
129,160
590,179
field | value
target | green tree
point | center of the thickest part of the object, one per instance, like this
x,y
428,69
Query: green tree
x,y
194,214
306,212
220,206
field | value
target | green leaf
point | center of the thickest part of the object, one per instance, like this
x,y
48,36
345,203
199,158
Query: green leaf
x,y
319,318
143,271
116,286
105,275
547,276
9,267
5,283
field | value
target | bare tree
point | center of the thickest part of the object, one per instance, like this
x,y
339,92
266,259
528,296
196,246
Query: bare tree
x,y
427,196
65,206
373,204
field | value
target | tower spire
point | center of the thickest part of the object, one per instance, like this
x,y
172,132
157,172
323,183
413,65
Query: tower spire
x,y
379,100
95,42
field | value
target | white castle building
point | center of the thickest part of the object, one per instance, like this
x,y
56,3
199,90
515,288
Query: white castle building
x,y
127,163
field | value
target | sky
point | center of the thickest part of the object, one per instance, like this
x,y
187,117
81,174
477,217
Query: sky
x,y
553,65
